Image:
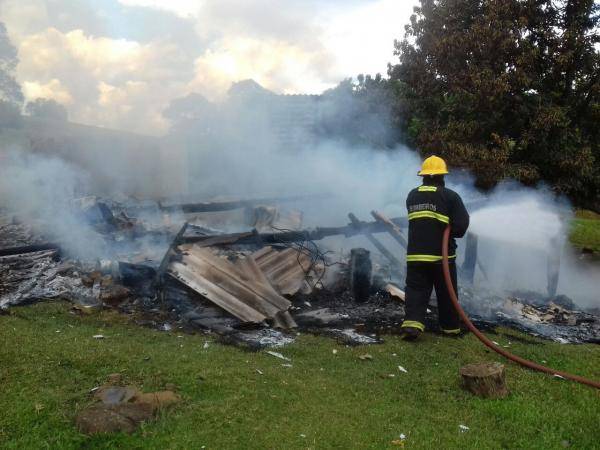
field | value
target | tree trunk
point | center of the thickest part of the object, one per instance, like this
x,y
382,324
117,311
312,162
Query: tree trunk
x,y
485,379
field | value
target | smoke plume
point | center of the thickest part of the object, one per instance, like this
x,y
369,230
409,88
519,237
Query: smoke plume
x,y
239,153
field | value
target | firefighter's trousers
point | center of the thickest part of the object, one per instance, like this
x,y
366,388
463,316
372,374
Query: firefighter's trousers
x,y
421,278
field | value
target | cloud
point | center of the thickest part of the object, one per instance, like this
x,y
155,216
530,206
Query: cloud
x,y
52,90
184,8
273,64
114,83
126,104
118,63
362,38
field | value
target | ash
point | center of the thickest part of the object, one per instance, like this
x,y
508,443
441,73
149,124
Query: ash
x,y
145,246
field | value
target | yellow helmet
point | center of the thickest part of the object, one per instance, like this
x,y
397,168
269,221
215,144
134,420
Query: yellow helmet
x,y
434,165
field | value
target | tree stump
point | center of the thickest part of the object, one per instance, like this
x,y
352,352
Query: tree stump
x,y
485,379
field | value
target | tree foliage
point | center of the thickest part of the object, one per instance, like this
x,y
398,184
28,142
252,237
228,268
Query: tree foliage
x,y
43,108
11,97
509,88
10,115
189,108
359,112
10,91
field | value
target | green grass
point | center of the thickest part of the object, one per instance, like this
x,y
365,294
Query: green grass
x,y
325,400
585,230
586,214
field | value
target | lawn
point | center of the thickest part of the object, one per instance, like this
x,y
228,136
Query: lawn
x,y
585,231
49,361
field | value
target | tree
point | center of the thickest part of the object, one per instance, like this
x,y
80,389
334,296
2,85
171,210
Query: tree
x,y
10,91
10,115
11,97
359,112
190,112
47,109
509,88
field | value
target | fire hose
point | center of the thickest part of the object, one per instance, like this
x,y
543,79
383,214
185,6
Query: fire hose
x,y
522,361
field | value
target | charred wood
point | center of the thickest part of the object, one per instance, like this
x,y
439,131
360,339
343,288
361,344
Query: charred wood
x,y
361,274
553,269
237,204
23,249
160,273
376,243
470,262
295,236
392,228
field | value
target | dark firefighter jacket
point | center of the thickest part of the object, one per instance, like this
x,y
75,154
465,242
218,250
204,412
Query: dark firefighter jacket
x,y
430,209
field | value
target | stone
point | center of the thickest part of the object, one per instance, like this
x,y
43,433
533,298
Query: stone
x,y
114,294
124,417
135,412
114,395
106,281
157,400
102,419
122,409
114,378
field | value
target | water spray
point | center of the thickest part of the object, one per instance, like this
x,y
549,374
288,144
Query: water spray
x,y
522,361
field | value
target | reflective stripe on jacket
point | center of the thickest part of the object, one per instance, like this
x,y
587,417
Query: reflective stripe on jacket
x,y
430,209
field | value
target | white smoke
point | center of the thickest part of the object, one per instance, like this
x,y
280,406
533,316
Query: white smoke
x,y
520,231
522,216
519,228
40,190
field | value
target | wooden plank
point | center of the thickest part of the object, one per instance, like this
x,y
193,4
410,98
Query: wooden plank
x,y
315,234
159,277
225,239
23,249
236,204
373,240
392,228
470,261
395,291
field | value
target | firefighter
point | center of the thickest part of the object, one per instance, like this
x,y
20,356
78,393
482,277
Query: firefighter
x,y
431,207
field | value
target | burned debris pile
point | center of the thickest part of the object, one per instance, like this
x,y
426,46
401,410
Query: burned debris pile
x,y
247,271
241,288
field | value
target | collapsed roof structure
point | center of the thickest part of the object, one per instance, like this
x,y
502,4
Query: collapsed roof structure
x,y
255,280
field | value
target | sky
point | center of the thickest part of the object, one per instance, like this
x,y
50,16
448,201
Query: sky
x,y
118,63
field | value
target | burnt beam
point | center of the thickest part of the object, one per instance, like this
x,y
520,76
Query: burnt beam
x,y
291,236
10,251
361,274
376,243
553,268
315,234
177,240
236,204
392,228
470,262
